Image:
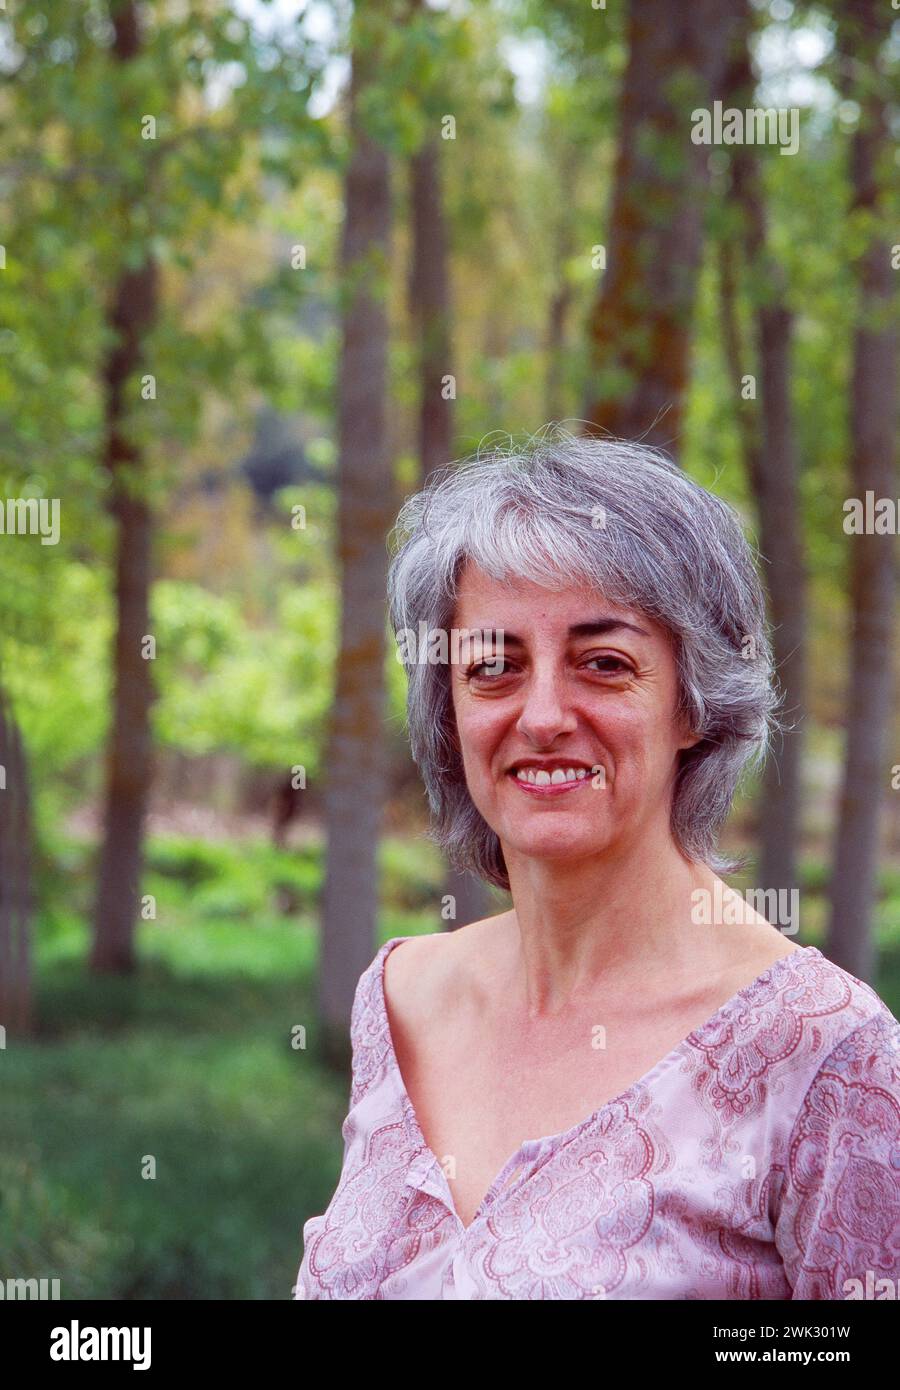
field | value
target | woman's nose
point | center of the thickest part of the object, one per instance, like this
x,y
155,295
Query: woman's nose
x,y
547,709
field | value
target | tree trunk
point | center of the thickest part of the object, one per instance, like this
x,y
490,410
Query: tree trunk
x,y
355,776
129,755
429,292
561,299
767,432
640,327
430,306
554,343
863,29
15,883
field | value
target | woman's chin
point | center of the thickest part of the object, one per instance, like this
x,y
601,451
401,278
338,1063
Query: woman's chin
x,y
552,843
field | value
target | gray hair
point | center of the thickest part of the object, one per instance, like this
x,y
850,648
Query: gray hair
x,y
621,517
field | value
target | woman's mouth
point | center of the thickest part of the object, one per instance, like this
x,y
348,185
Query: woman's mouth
x,y
546,782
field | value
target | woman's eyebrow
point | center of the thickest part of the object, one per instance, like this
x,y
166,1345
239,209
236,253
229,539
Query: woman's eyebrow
x,y
597,627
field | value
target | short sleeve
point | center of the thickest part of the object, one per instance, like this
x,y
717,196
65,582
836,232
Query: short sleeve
x,y
839,1210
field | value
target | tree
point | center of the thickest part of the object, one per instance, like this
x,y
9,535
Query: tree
x,y
106,202
355,765
430,309
640,326
863,29
766,427
562,295
15,879
129,754
429,295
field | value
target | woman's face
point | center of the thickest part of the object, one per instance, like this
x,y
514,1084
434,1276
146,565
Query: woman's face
x,y
583,685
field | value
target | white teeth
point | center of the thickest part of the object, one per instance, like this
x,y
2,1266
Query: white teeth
x,y
542,778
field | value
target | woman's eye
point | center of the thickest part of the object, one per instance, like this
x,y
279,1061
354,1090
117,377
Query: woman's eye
x,y
498,666
613,664
492,667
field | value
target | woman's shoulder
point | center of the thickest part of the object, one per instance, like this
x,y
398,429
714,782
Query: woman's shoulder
x,y
853,1002
421,973
838,1206
828,1020
864,1026
869,1053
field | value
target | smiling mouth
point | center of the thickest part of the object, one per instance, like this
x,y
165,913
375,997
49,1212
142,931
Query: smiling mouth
x,y
541,782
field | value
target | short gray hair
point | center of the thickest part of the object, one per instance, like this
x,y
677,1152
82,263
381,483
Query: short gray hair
x,y
621,517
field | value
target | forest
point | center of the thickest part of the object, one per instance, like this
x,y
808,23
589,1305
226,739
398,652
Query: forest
x,y
266,266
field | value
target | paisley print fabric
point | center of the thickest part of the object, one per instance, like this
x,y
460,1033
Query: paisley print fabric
x,y
760,1159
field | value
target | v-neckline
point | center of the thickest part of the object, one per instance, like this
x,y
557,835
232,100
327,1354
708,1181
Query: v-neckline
x,y
564,1136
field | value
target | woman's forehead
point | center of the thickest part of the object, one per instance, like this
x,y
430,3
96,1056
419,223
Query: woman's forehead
x,y
569,603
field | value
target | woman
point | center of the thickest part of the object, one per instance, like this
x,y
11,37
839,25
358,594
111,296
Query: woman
x,y
631,1085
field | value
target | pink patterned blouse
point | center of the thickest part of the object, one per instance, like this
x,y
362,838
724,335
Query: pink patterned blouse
x,y
760,1159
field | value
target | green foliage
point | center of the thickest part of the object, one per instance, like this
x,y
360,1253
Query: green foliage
x,y
411,876
55,665
229,686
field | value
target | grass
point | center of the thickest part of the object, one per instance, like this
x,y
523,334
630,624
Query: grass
x,y
161,1137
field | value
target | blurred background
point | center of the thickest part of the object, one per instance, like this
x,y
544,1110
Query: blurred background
x,y
264,266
